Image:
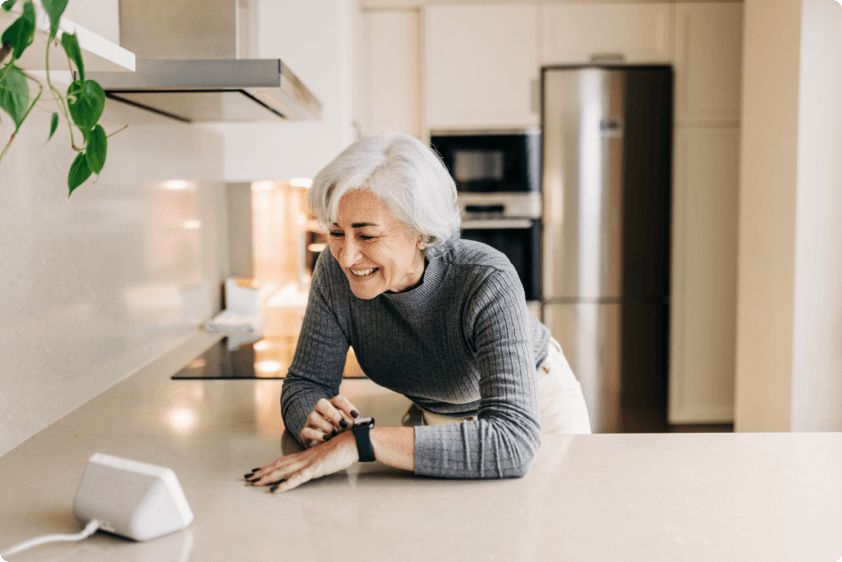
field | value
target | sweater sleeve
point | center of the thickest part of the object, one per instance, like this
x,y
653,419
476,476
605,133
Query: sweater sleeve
x,y
320,354
503,441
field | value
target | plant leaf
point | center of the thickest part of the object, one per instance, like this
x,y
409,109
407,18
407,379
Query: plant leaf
x,y
53,125
7,5
14,94
86,100
79,172
97,149
20,34
54,8
71,48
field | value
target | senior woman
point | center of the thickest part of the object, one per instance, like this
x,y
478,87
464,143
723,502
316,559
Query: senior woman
x,y
438,319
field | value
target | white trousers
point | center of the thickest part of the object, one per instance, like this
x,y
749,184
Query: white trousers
x,y
563,408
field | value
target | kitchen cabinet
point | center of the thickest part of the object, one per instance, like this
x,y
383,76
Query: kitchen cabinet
x,y
482,66
628,33
704,275
708,62
708,74
391,72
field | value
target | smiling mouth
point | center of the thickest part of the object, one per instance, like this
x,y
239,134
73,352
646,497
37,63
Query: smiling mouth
x,y
363,272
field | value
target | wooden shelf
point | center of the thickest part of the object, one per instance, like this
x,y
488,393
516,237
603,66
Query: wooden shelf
x,y
99,53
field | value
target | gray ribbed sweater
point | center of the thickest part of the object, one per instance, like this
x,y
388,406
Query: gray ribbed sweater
x,y
461,344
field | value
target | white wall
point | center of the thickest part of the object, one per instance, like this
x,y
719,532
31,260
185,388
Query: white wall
x,y
100,16
789,310
817,337
314,39
97,285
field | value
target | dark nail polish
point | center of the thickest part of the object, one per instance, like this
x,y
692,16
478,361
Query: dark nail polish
x,y
355,414
253,470
275,487
249,475
327,436
343,423
334,432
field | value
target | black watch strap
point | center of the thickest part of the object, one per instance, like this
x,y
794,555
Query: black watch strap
x,y
362,433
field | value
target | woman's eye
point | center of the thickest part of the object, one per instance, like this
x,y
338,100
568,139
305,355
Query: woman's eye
x,y
336,234
364,237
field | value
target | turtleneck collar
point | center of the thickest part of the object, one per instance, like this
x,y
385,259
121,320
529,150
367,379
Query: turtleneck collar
x,y
430,281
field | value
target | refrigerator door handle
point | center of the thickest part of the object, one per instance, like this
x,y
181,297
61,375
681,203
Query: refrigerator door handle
x,y
611,128
501,224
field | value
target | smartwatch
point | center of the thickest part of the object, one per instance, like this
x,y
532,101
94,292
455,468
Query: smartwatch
x,y
362,428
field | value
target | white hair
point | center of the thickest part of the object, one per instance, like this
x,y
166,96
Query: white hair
x,y
402,172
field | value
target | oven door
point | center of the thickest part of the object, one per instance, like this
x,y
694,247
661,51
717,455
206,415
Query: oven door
x,y
520,240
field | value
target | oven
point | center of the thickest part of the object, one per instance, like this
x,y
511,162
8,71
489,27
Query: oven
x,y
497,175
510,223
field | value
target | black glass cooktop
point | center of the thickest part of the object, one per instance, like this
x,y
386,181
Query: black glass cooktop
x,y
238,357
229,360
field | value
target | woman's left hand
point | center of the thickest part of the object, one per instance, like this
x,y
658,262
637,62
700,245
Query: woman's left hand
x,y
331,456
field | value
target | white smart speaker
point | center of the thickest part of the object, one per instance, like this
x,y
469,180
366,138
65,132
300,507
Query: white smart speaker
x,y
134,499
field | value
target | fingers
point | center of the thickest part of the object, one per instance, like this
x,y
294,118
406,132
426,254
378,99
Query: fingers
x,y
318,417
328,418
343,404
282,478
311,437
332,414
272,473
293,470
294,481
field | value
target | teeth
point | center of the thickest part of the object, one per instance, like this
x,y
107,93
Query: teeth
x,y
364,272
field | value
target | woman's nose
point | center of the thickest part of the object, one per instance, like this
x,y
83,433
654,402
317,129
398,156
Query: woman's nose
x,y
348,254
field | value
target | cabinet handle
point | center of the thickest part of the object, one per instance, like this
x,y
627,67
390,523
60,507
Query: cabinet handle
x,y
611,128
535,100
608,58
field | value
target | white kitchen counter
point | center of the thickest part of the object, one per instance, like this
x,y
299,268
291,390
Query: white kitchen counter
x,y
648,497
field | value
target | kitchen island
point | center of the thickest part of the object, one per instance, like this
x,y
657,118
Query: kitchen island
x,y
648,497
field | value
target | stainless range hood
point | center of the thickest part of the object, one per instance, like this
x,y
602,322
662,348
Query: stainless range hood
x,y
213,90
192,64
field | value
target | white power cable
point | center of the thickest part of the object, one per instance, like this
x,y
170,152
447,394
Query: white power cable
x,y
89,530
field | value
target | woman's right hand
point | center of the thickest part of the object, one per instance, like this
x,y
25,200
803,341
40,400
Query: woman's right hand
x,y
328,418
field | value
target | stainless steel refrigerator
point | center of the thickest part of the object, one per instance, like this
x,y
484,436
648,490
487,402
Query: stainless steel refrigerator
x,y
607,140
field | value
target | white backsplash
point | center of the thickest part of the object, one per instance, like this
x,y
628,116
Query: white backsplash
x,y
94,286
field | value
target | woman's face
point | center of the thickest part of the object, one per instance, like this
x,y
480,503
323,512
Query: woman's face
x,y
374,249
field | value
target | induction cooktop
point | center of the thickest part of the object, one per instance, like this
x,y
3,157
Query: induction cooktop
x,y
267,358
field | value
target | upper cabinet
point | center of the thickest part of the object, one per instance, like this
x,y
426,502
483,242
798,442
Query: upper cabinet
x,y
390,68
708,62
482,66
626,33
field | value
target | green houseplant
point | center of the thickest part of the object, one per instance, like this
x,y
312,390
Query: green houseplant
x,y
82,104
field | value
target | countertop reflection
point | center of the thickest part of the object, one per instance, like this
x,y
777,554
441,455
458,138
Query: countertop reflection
x,y
689,497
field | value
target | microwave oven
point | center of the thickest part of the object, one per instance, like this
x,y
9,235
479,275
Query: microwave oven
x,y
491,161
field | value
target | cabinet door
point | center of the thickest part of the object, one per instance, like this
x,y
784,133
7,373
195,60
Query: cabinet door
x,y
704,275
482,67
577,34
708,62
391,96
